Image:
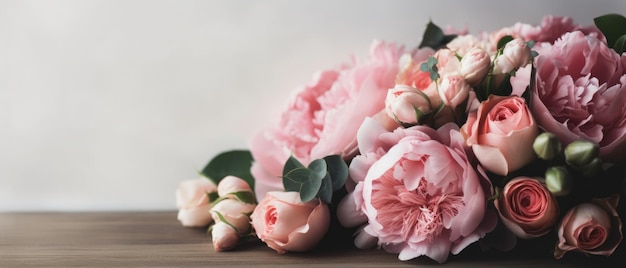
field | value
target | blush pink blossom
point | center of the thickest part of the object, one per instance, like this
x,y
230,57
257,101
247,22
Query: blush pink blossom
x,y
515,54
580,93
232,184
423,197
285,223
192,202
501,133
550,29
323,117
475,65
453,89
407,105
592,228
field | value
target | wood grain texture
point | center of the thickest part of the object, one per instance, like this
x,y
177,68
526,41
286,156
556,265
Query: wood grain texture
x,y
156,239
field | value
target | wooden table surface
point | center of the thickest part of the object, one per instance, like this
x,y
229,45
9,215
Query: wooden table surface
x,y
149,239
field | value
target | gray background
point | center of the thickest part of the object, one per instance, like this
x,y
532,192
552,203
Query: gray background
x,y
107,105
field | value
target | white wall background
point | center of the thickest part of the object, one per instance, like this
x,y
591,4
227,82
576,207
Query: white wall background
x,y
107,105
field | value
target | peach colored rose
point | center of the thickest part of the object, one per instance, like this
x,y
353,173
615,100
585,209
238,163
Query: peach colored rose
x,y
323,117
501,133
192,202
423,197
285,223
527,208
580,92
592,228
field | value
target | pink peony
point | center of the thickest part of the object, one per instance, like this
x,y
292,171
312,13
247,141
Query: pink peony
x,y
550,29
423,197
285,223
501,133
324,116
592,228
580,93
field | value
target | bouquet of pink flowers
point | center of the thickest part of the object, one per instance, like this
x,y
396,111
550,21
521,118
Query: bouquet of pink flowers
x,y
515,134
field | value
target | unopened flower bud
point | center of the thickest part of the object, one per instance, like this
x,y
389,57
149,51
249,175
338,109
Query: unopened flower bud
x,y
453,90
224,236
547,146
515,54
580,153
591,170
475,65
407,105
559,181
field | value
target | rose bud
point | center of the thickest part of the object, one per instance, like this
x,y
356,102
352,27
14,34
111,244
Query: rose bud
x,y
285,223
547,146
232,184
527,208
475,66
192,202
224,236
591,228
515,54
453,89
580,153
559,181
233,212
406,104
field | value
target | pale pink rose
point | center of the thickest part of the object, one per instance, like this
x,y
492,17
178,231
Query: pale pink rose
x,y
495,37
592,228
475,65
232,184
453,89
407,105
501,133
515,54
527,208
233,212
423,197
224,237
447,61
323,117
463,44
285,223
192,202
580,93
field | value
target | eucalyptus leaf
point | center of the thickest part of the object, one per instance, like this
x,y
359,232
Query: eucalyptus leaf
x,y
318,167
505,39
293,180
291,164
338,171
304,181
620,45
613,26
236,163
326,190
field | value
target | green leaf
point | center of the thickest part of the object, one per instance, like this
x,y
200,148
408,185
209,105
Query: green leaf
x,y
505,39
337,169
620,45
245,196
434,37
613,26
291,164
430,66
318,167
293,179
326,190
236,163
304,181
212,196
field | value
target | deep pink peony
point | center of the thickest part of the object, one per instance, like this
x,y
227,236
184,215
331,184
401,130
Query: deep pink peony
x,y
424,197
580,93
324,116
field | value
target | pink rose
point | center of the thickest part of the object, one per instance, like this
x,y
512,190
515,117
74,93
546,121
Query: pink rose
x,y
515,54
323,117
232,184
475,65
231,217
285,223
463,44
527,208
192,202
592,228
501,133
224,237
453,89
407,105
423,197
580,93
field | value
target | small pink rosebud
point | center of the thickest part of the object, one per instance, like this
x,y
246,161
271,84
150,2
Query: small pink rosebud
x,y
515,54
224,237
475,65
407,104
453,89
234,212
232,184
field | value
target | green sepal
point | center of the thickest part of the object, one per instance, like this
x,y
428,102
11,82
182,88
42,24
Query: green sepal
x,y
243,196
502,42
235,163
